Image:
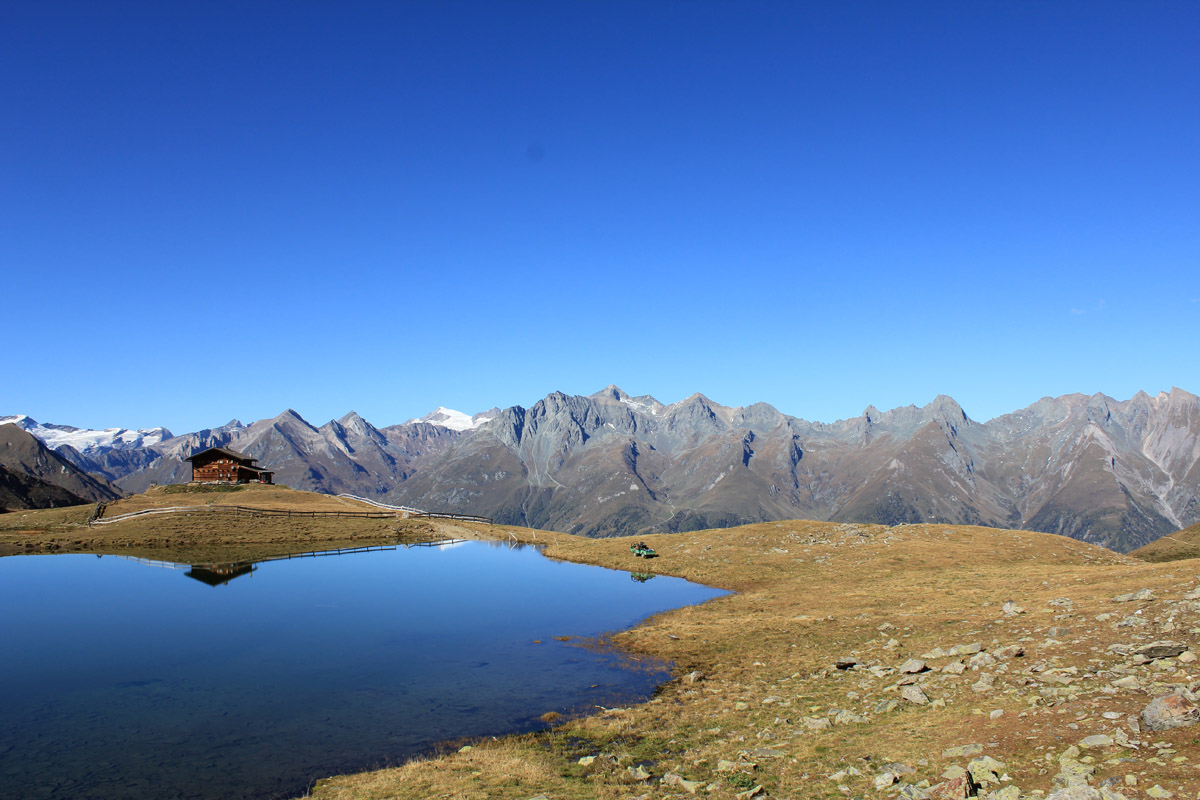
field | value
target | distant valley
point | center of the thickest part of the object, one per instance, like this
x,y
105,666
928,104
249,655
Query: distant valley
x,y
1115,473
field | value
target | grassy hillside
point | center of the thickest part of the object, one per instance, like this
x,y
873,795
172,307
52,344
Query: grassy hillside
x,y
1172,547
197,534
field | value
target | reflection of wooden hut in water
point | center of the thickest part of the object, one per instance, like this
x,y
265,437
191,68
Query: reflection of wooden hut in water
x,y
218,574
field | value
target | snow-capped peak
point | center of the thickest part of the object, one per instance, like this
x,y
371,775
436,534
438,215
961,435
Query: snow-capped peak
x,y
454,420
87,441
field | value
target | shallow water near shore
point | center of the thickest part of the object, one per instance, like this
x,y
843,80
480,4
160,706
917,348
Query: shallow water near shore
x,y
119,679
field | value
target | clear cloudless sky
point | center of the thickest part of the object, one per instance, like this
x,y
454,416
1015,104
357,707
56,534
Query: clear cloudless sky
x,y
225,209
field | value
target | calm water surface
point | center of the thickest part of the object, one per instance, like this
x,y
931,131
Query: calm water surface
x,y
122,680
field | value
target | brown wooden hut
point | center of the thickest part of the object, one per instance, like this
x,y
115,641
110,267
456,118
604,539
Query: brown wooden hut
x,y
222,465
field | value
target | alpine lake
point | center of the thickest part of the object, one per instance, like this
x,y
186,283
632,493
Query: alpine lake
x,y
126,678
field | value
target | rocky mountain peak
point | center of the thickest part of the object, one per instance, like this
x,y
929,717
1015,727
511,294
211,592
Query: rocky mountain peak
x,y
611,392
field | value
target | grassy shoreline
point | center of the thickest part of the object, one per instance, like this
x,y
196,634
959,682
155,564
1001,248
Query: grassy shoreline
x,y
757,707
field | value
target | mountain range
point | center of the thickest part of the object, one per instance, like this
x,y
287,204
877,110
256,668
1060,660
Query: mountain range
x,y
1114,473
34,476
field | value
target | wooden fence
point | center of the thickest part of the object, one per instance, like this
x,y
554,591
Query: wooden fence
x,y
416,512
385,512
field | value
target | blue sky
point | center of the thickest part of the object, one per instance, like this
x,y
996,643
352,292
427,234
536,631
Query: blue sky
x,y
216,210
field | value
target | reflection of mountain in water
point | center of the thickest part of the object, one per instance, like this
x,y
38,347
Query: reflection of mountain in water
x,y
219,573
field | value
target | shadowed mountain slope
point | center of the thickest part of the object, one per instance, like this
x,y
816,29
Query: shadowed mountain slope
x,y
37,477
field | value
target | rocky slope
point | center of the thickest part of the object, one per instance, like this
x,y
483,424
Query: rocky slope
x,y
1115,473
34,476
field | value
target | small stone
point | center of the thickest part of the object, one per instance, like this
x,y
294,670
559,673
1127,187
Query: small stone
x,y
1058,633
884,780
955,668
637,773
966,649
1010,608
1098,740
1128,682
1007,793
986,683
962,751
1011,651
997,714
885,706
465,748
1156,650
740,706
914,694
846,663
913,666
695,676
980,660
1186,657
1140,594
753,792
846,717
587,761
1159,792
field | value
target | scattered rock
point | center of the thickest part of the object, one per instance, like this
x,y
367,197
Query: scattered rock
x,y
1170,711
914,694
846,663
1010,608
884,780
695,676
1128,682
1159,792
959,788
752,792
638,773
980,660
1058,633
1156,650
1011,651
885,706
1098,740
672,779
985,770
1140,594
587,761
986,683
962,751
913,666
955,668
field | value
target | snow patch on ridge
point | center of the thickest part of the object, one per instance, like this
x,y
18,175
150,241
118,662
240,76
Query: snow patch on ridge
x,y
454,420
87,441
